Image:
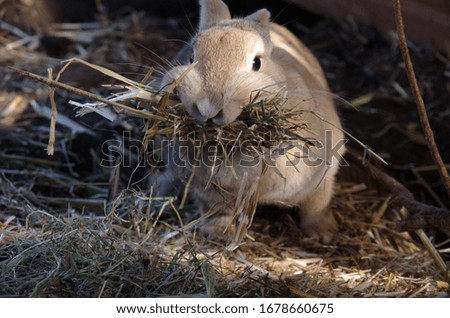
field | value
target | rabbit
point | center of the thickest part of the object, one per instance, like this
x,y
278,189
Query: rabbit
x,y
227,61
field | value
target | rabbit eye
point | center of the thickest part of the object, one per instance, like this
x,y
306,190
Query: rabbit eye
x,y
191,58
256,64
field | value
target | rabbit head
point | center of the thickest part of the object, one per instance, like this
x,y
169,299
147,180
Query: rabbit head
x,y
230,61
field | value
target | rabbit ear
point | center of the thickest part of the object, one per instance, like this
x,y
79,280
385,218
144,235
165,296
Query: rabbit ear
x,y
261,17
212,12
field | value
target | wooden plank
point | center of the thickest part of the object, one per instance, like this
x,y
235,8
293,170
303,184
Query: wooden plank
x,y
426,21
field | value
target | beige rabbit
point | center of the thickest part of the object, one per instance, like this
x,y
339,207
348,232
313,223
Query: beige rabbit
x,y
230,60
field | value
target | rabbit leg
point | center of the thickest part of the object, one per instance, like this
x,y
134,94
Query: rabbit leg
x,y
217,225
316,218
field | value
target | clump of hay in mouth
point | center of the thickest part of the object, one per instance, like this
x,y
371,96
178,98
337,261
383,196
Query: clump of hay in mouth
x,y
263,126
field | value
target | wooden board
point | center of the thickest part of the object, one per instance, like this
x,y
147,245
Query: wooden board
x,y
426,21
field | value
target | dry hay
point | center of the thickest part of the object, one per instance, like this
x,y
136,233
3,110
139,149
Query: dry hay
x,y
149,255
60,236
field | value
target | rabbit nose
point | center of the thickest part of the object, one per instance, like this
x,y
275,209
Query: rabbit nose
x,y
204,110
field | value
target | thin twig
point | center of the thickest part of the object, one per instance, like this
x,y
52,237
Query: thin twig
x,y
433,252
421,109
52,135
71,89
